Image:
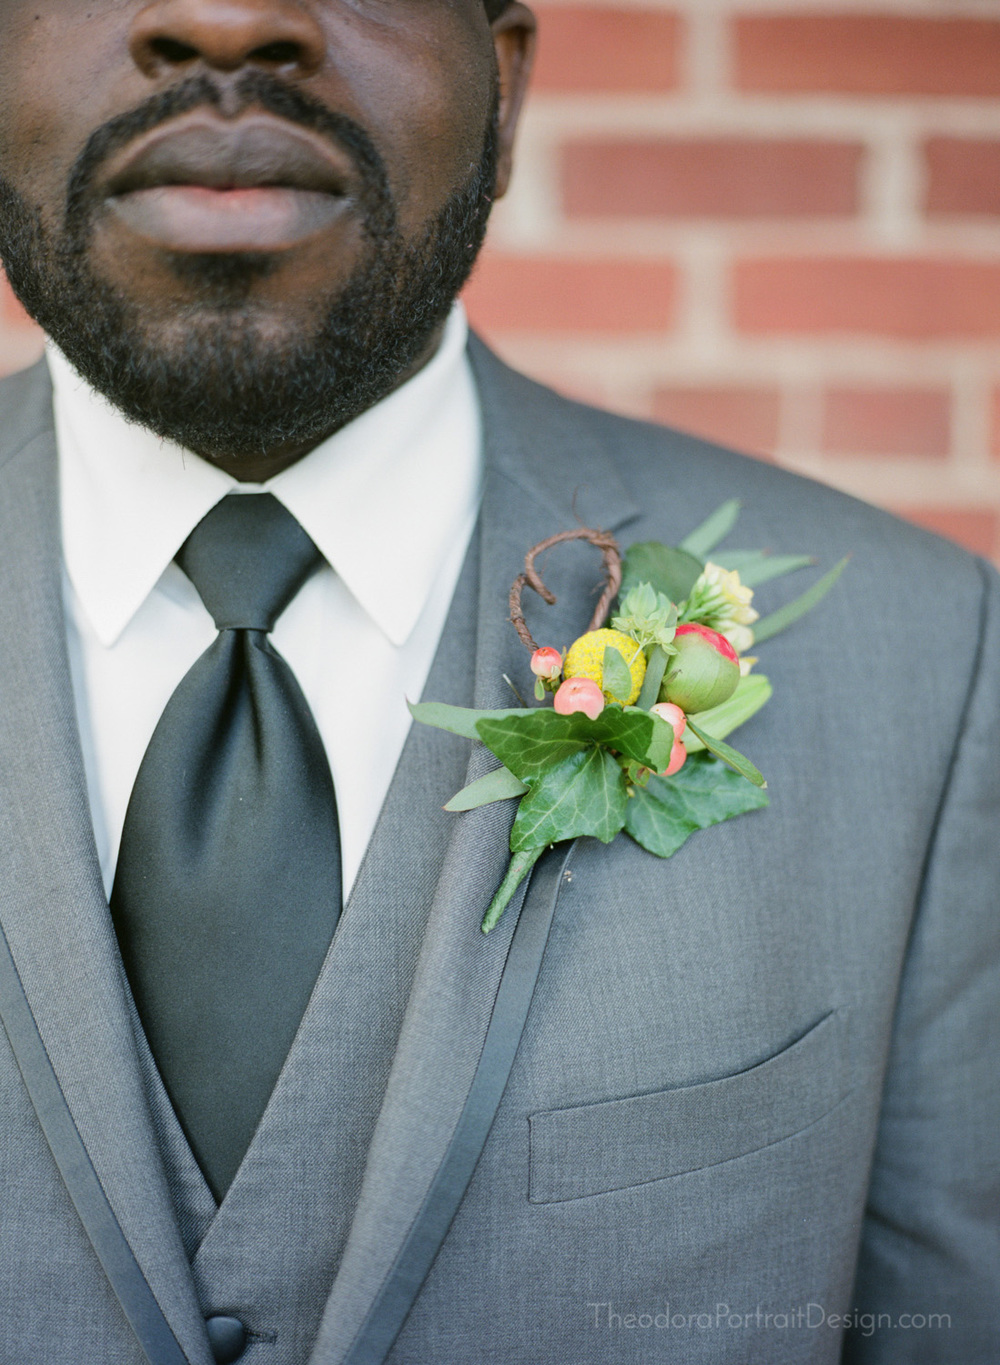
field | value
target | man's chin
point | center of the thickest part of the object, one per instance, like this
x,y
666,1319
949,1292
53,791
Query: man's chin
x,y
231,388
264,337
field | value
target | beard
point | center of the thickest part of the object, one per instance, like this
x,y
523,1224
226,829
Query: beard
x,y
224,375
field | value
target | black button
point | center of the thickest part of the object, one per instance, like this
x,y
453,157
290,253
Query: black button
x,y
227,1338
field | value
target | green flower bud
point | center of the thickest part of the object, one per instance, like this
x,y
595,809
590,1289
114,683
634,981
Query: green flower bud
x,y
703,673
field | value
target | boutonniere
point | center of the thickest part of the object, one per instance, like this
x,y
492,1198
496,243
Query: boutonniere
x,y
630,731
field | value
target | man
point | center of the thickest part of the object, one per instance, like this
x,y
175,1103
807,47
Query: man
x,y
752,1113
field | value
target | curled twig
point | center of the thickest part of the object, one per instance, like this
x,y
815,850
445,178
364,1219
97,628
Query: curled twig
x,y
611,555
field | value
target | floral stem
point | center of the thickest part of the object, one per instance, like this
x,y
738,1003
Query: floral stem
x,y
656,666
520,865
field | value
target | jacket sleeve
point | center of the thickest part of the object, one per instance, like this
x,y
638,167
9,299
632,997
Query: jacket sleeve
x,y
928,1280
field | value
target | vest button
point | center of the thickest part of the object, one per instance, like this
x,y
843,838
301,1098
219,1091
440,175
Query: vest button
x,y
227,1338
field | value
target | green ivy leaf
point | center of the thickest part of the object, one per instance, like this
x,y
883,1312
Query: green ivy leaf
x,y
585,794
499,785
530,742
673,572
616,676
663,814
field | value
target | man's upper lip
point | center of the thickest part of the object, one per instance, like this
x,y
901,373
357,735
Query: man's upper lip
x,y
253,150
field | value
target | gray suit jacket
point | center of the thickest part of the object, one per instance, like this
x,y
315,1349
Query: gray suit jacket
x,y
756,1098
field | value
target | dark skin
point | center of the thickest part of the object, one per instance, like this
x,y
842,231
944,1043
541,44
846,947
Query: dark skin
x,y
416,75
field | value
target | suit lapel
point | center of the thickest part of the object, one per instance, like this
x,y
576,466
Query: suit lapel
x,y
52,903
458,971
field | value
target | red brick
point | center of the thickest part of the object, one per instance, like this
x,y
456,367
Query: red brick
x,y
963,175
555,294
744,418
711,177
995,423
868,54
593,49
910,298
975,528
863,421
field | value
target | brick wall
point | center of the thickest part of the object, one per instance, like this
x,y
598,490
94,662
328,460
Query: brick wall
x,y
773,223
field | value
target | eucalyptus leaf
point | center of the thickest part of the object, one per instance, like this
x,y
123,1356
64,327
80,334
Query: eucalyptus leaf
x,y
738,559
793,611
666,569
712,530
585,794
499,785
737,761
634,733
757,567
519,867
662,815
751,694
459,720
617,678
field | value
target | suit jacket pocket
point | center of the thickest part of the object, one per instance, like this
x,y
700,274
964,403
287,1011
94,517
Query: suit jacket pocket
x,y
595,1148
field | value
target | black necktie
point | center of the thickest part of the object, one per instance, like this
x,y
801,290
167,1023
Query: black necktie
x,y
227,889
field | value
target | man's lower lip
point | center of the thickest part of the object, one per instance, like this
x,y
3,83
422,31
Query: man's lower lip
x,y
199,219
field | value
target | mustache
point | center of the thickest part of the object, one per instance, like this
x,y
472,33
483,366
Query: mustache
x,y
253,89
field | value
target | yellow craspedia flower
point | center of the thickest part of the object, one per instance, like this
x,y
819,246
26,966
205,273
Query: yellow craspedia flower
x,y
585,659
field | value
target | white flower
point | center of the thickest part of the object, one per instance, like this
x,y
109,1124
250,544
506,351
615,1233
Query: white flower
x,y
735,596
738,635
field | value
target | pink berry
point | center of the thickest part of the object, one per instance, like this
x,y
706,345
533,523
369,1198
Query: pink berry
x,y
546,663
579,694
678,757
673,715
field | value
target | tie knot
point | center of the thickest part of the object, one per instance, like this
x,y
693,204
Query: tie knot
x,y
248,558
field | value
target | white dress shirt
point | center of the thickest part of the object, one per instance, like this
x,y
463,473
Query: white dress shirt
x,y
390,500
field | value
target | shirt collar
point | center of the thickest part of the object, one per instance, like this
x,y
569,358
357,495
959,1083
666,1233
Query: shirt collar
x,y
384,498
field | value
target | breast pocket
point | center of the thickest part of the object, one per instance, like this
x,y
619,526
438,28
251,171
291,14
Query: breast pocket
x,y
595,1148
